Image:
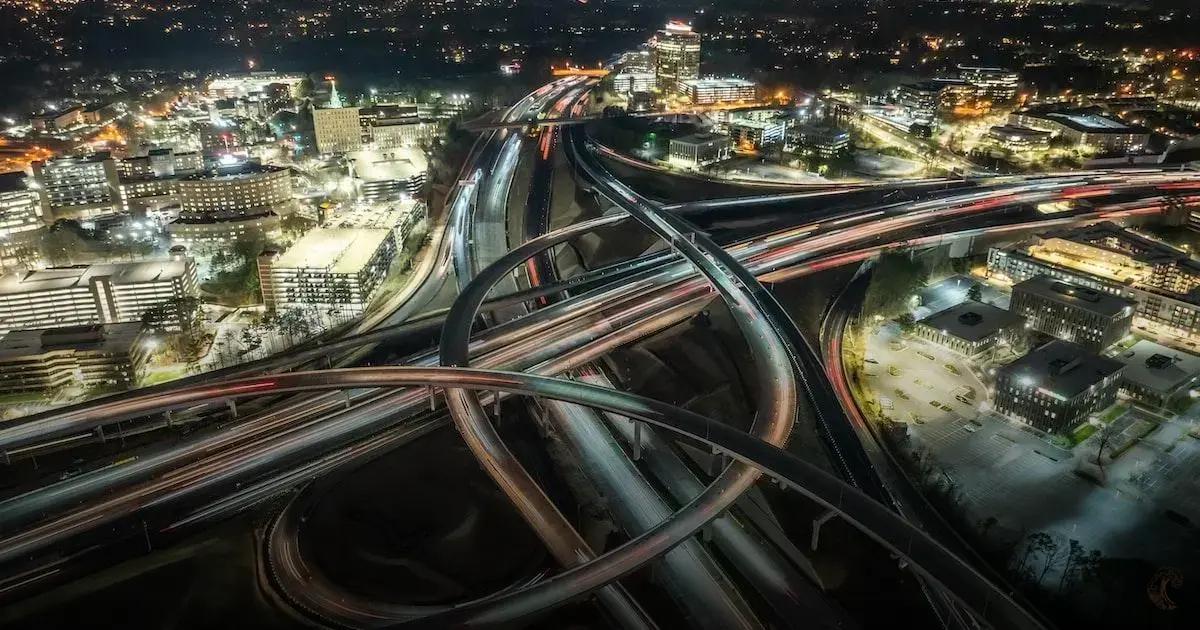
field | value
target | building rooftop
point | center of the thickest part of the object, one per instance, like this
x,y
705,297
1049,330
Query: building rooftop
x,y
701,138
13,182
234,171
717,82
1074,295
80,275
1061,369
972,321
108,338
333,250
1016,132
396,164
1084,120
1157,367
1112,237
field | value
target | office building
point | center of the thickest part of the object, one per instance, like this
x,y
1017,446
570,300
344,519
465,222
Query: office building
x,y
699,149
971,328
922,101
995,84
337,130
1090,318
240,85
91,294
93,355
1055,387
386,126
630,82
713,91
821,141
676,54
77,187
1019,139
1155,374
635,62
327,267
1083,128
22,223
227,203
755,134
1163,281
59,120
160,163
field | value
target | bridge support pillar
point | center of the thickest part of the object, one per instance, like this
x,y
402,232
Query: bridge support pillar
x,y
716,463
432,393
496,403
637,440
817,523
232,404
168,415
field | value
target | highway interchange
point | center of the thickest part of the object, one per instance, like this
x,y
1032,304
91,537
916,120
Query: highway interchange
x,y
561,327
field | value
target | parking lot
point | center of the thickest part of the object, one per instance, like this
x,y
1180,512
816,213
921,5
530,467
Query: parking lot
x,y
1006,470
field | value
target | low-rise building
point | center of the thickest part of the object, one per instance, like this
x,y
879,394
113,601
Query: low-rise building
x,y
1019,139
755,134
92,294
1085,129
327,267
825,142
699,149
59,120
1155,374
1163,281
1090,318
971,328
713,91
94,355
1056,386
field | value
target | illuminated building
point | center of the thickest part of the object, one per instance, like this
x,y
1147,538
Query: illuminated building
x,y
970,328
347,129
93,355
713,91
163,162
77,187
57,120
91,294
21,219
337,130
756,134
1019,138
700,149
1093,319
996,84
1155,374
386,175
227,203
327,267
234,86
675,51
1056,386
1085,129
823,141
630,82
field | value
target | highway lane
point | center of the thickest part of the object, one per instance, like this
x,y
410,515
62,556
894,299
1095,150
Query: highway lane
x,y
877,521
1056,221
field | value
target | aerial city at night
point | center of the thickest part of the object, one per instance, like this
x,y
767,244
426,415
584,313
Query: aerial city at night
x,y
590,314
